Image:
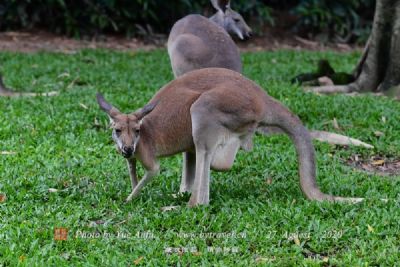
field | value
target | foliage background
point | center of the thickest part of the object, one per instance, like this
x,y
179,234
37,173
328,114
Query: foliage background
x,y
346,21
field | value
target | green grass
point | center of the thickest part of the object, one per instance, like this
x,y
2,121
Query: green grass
x,y
64,142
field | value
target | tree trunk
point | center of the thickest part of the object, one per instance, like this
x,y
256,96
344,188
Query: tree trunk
x,y
379,67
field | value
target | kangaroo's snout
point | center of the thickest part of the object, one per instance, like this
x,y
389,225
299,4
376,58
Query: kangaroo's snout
x,y
249,34
127,151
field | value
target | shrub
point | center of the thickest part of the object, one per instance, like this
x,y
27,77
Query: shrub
x,y
343,20
91,17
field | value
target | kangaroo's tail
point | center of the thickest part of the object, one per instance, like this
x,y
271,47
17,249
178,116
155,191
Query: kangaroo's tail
x,y
277,116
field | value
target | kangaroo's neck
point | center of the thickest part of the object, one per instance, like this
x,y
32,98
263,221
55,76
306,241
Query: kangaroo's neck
x,y
145,149
216,18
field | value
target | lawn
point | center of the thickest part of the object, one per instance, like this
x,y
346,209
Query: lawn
x,y
257,213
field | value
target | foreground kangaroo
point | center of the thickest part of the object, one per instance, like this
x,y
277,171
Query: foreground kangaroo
x,y
198,42
210,114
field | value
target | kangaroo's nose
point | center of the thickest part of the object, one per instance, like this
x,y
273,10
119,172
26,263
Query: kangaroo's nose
x,y
127,151
249,34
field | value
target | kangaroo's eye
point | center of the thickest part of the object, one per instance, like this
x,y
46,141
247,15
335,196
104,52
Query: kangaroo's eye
x,y
236,20
136,131
118,131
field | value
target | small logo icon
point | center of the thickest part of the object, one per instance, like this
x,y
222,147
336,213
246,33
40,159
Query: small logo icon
x,y
60,233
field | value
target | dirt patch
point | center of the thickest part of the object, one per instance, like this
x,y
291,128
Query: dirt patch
x,y
380,165
33,41
42,41
273,42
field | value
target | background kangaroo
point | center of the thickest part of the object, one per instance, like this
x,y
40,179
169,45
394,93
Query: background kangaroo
x,y
210,113
198,42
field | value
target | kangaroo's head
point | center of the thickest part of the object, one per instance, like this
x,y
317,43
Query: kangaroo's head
x,y
126,127
230,20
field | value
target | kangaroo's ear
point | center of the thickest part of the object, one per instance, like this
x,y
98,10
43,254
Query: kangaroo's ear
x,y
140,113
107,107
221,5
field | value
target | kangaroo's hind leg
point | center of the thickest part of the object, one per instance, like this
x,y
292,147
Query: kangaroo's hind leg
x,y
205,131
216,146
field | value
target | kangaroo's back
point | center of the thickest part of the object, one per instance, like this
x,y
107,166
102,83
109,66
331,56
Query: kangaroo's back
x,y
195,42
